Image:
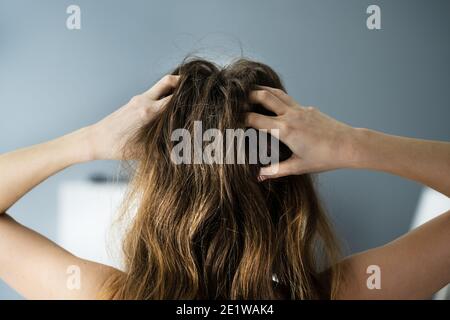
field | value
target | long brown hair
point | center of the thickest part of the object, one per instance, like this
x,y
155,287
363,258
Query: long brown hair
x,y
213,231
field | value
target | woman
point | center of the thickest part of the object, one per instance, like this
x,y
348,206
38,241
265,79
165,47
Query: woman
x,y
228,231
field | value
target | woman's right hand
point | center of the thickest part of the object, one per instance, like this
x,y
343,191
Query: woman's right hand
x,y
111,133
318,142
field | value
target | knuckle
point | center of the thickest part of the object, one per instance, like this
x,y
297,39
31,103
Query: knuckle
x,y
142,105
135,100
169,79
284,127
279,91
144,112
252,119
263,94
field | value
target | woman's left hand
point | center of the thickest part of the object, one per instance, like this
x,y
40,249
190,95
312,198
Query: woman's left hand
x,y
317,141
109,135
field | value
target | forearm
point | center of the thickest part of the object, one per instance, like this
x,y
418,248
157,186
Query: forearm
x,y
22,170
427,162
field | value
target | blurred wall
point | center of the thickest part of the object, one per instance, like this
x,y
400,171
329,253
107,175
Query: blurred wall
x,y
53,80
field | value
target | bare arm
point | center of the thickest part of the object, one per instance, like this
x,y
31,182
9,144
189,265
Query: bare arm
x,y
413,266
22,170
320,143
30,263
424,161
37,268
33,265
416,265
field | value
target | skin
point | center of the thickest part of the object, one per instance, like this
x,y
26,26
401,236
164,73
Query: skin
x,y
412,267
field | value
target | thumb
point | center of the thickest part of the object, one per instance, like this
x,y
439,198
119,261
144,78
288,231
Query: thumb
x,y
288,167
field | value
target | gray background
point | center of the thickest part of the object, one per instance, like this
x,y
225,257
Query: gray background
x,y
396,80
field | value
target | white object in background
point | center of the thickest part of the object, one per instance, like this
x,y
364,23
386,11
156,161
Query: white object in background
x,y
86,211
431,204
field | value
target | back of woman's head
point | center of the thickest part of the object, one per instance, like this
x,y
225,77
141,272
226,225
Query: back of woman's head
x,y
211,230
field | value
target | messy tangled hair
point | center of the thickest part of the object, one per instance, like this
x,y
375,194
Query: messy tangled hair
x,y
213,231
